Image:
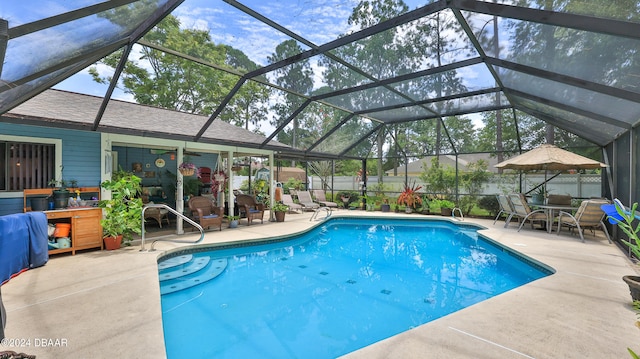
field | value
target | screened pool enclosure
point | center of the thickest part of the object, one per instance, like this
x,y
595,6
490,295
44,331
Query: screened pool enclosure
x,y
333,80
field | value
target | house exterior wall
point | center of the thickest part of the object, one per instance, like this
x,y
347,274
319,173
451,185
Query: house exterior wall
x,y
80,158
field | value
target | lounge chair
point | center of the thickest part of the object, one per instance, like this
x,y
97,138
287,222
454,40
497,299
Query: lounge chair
x,y
250,208
288,200
588,215
307,203
521,210
322,199
505,208
205,212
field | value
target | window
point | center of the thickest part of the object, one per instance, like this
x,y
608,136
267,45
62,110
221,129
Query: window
x,y
26,165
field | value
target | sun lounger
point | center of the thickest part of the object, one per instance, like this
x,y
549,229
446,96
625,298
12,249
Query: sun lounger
x,y
307,203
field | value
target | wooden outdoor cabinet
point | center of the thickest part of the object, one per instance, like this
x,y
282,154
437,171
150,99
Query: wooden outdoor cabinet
x,y
86,231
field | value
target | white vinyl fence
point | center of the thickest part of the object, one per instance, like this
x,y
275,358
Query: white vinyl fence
x,y
575,185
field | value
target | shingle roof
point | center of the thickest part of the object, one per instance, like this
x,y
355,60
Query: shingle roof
x,y
58,108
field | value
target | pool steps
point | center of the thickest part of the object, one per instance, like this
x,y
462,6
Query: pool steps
x,y
185,271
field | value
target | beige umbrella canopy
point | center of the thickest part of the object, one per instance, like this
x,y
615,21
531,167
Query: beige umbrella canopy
x,y
549,157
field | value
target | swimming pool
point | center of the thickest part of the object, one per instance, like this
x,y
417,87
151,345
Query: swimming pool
x,y
341,286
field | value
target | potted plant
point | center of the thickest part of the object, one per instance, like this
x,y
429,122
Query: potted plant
x,y
538,196
370,202
410,197
60,193
385,207
625,220
446,207
425,205
123,212
233,221
188,168
279,209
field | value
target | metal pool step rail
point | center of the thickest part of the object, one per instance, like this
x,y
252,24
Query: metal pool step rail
x,y
187,271
328,211
171,239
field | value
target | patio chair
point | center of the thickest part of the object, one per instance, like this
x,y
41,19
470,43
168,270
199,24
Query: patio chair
x,y
205,212
322,199
249,208
559,199
288,200
589,215
521,210
157,214
304,197
505,208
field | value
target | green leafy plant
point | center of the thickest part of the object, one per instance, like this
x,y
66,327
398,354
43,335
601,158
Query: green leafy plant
x,y
280,207
627,226
123,212
232,218
59,185
443,203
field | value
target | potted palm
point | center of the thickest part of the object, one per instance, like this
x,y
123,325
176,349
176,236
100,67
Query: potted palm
x,y
410,197
279,209
122,212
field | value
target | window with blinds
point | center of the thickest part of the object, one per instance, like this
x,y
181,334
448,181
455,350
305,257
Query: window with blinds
x,y
26,165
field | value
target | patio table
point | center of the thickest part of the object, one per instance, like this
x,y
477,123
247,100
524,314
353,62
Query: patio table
x,y
550,209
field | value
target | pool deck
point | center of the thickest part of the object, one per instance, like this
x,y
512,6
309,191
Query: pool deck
x,y
106,304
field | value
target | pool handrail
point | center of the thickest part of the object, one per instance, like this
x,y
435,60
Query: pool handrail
x,y
323,208
189,220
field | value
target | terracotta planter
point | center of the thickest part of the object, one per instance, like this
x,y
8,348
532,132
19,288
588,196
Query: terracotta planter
x,y
280,216
111,243
634,285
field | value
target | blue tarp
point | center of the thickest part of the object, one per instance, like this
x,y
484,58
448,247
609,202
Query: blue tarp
x,y
23,243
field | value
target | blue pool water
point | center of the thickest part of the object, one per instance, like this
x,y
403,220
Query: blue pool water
x,y
344,285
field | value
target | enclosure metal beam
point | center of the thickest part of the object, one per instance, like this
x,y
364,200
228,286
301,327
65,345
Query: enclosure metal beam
x,y
341,154
561,19
4,40
562,106
580,131
429,101
219,109
286,122
392,80
112,85
331,131
359,35
84,58
568,80
60,19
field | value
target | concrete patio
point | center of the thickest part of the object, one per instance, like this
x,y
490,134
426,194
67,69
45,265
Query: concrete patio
x,y
106,304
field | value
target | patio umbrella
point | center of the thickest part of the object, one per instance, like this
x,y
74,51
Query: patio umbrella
x,y
549,157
